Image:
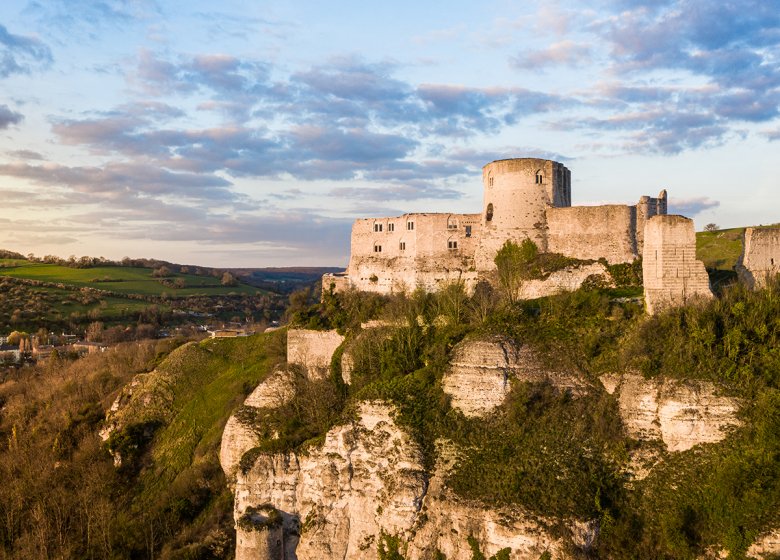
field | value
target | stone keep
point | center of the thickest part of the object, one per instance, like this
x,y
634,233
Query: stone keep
x,y
517,194
670,272
760,259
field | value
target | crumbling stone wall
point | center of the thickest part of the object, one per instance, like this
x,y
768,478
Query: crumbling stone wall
x,y
593,232
760,259
671,274
312,350
401,253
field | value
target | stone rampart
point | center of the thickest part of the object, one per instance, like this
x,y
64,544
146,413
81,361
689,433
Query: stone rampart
x,y
593,232
312,350
671,274
760,259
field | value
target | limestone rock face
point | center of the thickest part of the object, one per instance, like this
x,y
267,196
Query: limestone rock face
x,y
481,372
766,546
367,480
567,280
680,414
237,438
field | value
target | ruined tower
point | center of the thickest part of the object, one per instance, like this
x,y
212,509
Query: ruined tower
x,y
517,193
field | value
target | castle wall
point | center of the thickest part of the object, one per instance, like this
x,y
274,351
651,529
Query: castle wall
x,y
313,350
593,232
418,250
760,259
671,274
517,193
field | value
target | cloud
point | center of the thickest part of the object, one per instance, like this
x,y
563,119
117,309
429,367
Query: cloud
x,y
772,135
564,53
20,54
26,154
731,42
691,206
90,17
9,117
219,73
420,190
123,180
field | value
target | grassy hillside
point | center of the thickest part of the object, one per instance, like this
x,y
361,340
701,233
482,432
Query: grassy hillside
x,y
61,495
37,295
120,279
719,250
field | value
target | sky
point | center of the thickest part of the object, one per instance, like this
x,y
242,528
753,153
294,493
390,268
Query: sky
x,y
252,134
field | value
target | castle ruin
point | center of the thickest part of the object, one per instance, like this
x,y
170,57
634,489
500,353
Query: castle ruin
x,y
524,198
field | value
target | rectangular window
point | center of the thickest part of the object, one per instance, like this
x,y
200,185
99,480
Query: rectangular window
x,y
377,248
410,225
452,225
377,227
390,227
402,246
468,231
452,244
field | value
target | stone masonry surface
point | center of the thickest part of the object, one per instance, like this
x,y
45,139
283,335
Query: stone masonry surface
x,y
670,272
760,259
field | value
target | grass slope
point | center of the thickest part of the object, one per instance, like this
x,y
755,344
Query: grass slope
x,y
125,280
190,396
719,250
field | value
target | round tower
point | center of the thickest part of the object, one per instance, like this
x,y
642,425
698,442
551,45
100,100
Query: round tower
x,y
517,193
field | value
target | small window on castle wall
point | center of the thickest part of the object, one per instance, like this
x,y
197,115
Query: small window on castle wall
x,y
377,227
402,246
410,225
468,231
489,212
452,244
390,227
490,181
538,177
377,248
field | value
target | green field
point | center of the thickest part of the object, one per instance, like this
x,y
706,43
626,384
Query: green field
x,y
123,280
719,250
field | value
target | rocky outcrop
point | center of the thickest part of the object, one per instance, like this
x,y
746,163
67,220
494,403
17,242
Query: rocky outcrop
x,y
568,279
238,438
367,482
680,414
481,373
766,546
367,479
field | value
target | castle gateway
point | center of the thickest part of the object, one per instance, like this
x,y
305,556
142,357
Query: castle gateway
x,y
524,198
